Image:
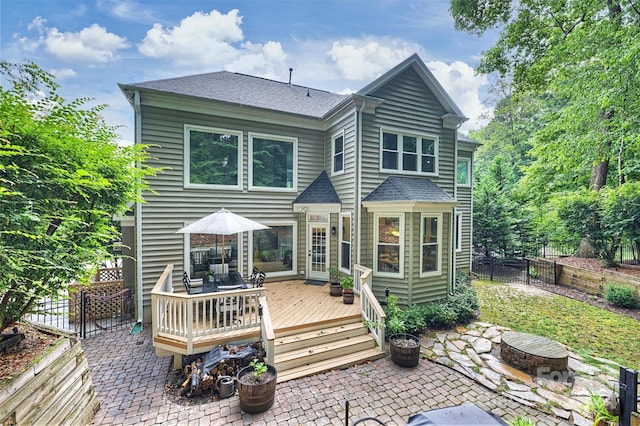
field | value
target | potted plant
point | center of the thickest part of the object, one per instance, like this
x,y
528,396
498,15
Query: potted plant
x,y
335,289
256,386
347,289
210,276
404,347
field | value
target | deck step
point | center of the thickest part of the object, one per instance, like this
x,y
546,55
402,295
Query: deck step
x,y
343,361
318,336
311,354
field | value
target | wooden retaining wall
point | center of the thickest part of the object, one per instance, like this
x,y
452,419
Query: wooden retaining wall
x,y
55,390
593,282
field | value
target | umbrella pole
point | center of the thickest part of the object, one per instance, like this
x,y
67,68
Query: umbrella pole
x,y
222,255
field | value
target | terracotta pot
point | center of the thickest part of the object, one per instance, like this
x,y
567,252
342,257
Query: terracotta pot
x,y
256,397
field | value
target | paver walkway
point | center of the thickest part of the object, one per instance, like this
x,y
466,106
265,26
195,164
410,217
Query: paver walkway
x,y
129,380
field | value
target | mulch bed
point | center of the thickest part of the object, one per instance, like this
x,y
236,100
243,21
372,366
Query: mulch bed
x,y
18,358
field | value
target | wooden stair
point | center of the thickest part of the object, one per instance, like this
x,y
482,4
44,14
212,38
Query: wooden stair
x,y
320,347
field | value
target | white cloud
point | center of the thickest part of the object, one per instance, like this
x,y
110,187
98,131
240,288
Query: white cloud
x,y
463,85
91,45
63,73
368,58
129,10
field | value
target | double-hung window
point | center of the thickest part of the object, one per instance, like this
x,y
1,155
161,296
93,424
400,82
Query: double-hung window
x,y
431,244
272,162
212,157
388,247
402,152
337,151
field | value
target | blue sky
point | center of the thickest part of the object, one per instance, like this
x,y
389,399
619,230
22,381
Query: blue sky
x,y
335,45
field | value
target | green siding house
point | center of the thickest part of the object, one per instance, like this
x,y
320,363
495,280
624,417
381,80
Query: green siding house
x,y
378,178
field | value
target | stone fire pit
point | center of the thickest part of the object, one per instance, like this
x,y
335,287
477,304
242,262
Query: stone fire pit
x,y
534,354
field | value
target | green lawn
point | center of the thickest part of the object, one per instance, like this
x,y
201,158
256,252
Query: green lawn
x,y
586,329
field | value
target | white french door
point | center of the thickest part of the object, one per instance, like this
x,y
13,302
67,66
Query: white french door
x,y
318,253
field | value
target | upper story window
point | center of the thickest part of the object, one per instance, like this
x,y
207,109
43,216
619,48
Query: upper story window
x,y
408,153
388,245
462,172
431,242
212,157
273,162
337,152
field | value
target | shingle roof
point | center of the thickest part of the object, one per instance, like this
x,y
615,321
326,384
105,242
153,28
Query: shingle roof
x,y
405,188
321,191
248,90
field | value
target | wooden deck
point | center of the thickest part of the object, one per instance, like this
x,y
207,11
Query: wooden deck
x,y
294,305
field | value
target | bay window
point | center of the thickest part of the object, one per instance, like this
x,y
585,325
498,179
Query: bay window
x,y
388,247
430,244
345,243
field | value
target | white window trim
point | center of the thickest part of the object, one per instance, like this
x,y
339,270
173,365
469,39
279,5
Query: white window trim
x,y
419,136
294,249
279,138
458,232
187,156
439,216
333,153
468,161
340,240
400,273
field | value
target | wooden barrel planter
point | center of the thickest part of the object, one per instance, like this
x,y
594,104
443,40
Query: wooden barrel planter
x,y
256,397
335,290
405,349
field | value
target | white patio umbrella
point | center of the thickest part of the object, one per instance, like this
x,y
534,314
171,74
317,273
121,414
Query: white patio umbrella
x,y
223,222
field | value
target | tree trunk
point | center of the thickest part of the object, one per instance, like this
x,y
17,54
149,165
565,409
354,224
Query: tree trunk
x,y
599,175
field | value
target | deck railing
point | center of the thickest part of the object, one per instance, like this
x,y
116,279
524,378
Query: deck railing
x,y
190,317
372,312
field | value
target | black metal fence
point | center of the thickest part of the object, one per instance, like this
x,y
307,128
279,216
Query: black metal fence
x,y
86,314
628,395
514,270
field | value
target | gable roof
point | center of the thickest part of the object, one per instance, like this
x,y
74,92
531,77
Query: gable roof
x,y
247,90
321,191
419,66
406,188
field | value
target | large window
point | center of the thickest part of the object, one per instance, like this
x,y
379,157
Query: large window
x,y
345,243
206,250
388,245
212,157
462,172
431,241
273,250
273,162
337,149
408,153
458,231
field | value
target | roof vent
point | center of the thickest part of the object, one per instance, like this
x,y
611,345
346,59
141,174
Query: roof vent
x,y
290,72
308,94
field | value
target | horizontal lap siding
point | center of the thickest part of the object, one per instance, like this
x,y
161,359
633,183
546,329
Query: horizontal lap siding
x,y
172,205
408,105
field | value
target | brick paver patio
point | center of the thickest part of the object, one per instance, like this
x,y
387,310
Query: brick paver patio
x,y
129,380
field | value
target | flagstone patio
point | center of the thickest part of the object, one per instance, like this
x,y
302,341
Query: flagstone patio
x,y
474,351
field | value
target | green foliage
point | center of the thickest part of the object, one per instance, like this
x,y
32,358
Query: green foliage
x,y
439,315
522,421
259,368
597,407
463,302
334,275
62,178
347,283
622,296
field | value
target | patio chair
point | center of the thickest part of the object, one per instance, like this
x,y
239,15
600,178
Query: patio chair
x,y
259,282
231,305
188,284
254,276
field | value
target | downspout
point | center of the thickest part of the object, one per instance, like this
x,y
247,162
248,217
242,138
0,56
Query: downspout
x,y
454,218
138,139
358,191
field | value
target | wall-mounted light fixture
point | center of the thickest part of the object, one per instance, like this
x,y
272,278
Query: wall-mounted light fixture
x,y
333,230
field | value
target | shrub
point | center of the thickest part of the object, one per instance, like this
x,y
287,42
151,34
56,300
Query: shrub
x,y
464,301
438,315
622,296
413,318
